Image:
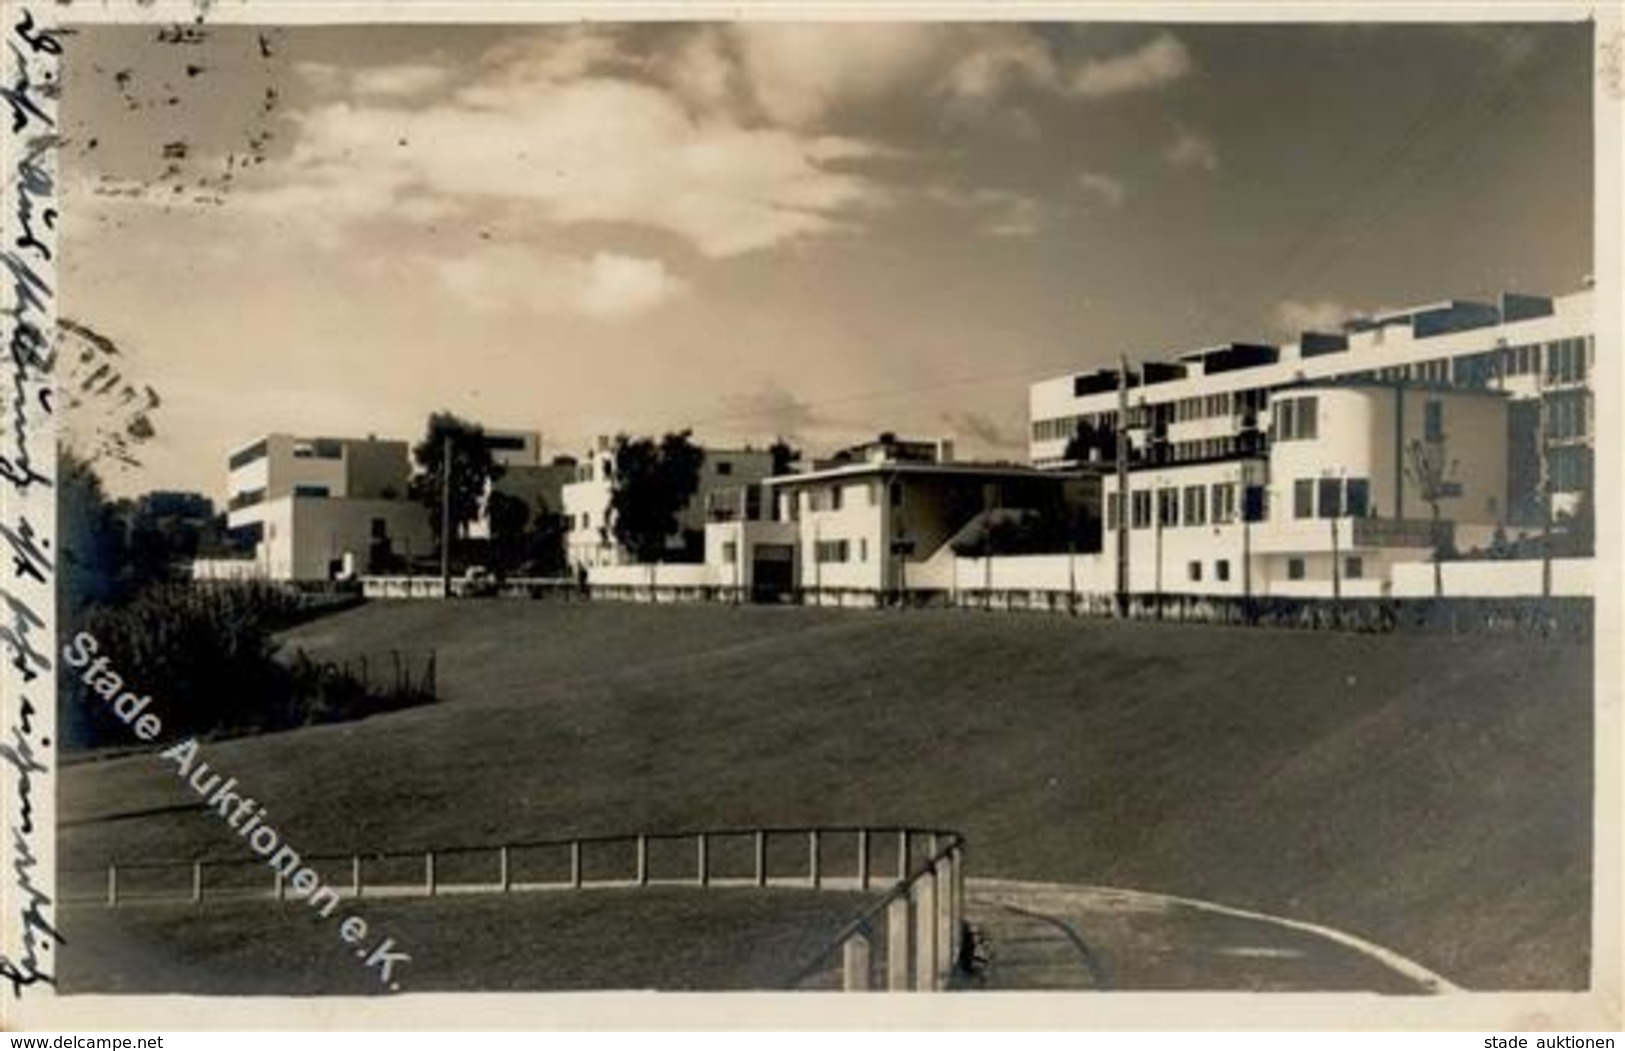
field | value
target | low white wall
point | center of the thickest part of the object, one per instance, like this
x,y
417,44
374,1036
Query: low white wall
x,y
1497,579
666,575
227,569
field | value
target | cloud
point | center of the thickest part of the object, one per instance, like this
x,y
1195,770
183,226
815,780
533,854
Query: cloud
x,y
1191,149
399,81
512,278
984,429
1321,315
599,150
1108,189
800,74
772,407
1160,61
1002,213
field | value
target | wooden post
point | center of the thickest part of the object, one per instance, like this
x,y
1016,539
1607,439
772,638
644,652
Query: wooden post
x,y
944,910
112,885
197,880
761,858
925,931
898,931
279,886
702,861
813,858
504,873
855,963
575,863
355,875
902,854
428,873
643,861
863,859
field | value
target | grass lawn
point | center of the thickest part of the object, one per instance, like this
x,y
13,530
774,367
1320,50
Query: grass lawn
x,y
1432,794
655,938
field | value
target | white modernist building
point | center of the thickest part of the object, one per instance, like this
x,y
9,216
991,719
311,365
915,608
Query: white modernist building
x,y
1347,489
1211,404
589,543
1329,441
319,508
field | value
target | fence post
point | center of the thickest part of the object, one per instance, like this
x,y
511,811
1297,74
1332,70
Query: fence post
x,y
112,885
504,874
428,873
279,886
643,861
944,908
902,854
197,880
863,859
898,931
855,963
814,858
575,863
925,936
355,875
702,860
761,858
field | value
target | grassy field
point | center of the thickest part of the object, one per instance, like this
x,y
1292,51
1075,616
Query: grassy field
x,y
1429,793
656,938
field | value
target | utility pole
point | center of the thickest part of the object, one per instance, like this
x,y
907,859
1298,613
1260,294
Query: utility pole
x,y
1545,479
445,515
1122,453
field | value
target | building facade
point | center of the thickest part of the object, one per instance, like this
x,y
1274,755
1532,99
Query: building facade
x,y
319,508
1213,405
589,542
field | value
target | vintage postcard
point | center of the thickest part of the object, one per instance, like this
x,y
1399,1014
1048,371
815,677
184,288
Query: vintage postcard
x,y
1070,516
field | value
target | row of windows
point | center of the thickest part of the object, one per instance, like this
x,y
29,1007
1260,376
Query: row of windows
x,y
1192,505
836,551
1331,498
1353,568
1570,469
243,458
1297,419
246,498
1564,360
1568,415
312,490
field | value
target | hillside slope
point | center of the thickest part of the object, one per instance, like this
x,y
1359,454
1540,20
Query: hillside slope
x,y
1430,794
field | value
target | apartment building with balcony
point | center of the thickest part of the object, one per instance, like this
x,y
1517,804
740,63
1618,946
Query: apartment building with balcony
x,y
1213,405
1345,490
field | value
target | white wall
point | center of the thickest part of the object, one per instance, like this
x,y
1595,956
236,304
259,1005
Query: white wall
x,y
1570,577
304,536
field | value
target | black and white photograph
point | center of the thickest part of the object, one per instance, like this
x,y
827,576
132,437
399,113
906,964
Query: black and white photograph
x,y
1075,500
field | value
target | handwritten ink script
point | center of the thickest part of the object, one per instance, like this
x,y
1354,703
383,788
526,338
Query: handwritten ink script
x,y
28,86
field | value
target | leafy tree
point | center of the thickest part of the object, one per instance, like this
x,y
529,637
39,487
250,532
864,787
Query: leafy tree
x,y
472,470
90,537
784,457
653,482
509,517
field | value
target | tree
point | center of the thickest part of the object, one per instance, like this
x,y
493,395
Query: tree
x,y
784,457
89,535
509,516
653,482
472,470
1432,473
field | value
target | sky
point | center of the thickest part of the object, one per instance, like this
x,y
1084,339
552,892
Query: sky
x,y
816,231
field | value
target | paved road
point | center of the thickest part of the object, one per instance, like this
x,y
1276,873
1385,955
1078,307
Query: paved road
x,y
1057,936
